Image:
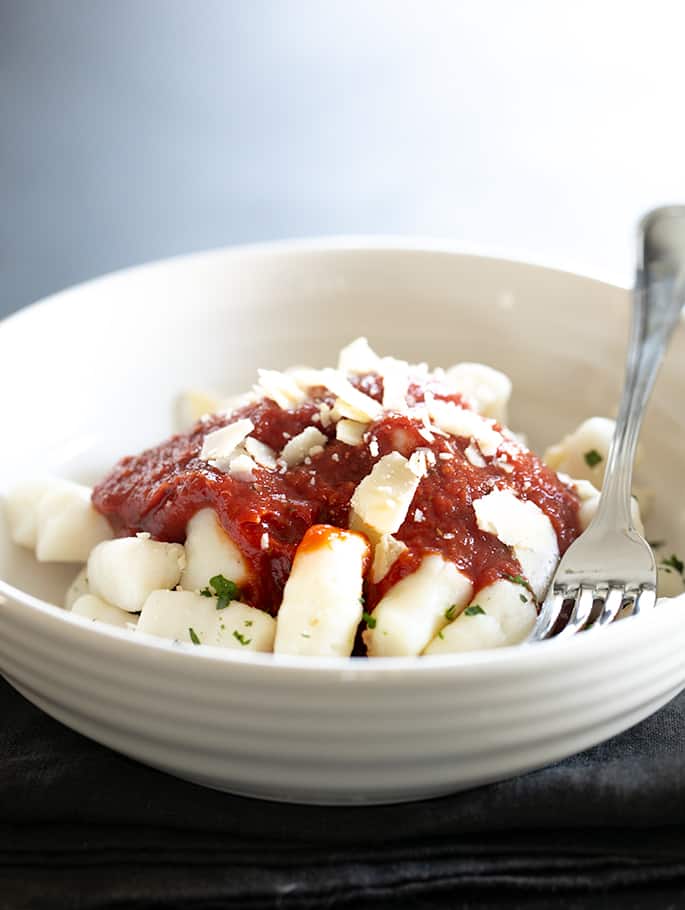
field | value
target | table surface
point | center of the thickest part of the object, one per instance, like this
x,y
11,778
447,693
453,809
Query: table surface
x,y
132,131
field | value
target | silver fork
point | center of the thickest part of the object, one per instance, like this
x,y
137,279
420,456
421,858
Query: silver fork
x,y
611,563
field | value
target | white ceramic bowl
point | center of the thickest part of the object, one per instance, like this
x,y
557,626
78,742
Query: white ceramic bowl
x,y
89,375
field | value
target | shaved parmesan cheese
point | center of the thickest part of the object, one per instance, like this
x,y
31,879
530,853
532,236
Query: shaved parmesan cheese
x,y
263,454
474,457
526,529
281,388
365,407
383,497
305,377
242,468
467,424
295,451
487,389
387,551
358,357
350,432
219,445
395,375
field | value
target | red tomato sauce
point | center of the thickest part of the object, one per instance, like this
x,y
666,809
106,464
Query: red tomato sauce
x,y
161,489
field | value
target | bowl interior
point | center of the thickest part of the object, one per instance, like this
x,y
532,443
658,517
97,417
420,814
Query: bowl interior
x,y
90,374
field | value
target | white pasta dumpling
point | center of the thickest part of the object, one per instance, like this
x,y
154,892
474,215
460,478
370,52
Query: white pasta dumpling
x,y
126,571
415,609
189,617
322,599
92,607
67,524
670,582
21,508
589,500
77,588
525,528
583,453
503,613
487,389
209,551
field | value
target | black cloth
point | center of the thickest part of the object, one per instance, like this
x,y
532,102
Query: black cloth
x,y
82,827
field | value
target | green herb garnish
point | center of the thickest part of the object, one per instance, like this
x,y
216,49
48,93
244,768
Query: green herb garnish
x,y
592,458
474,610
674,563
222,588
241,638
517,580
440,635
523,598
193,636
451,612
655,544
369,620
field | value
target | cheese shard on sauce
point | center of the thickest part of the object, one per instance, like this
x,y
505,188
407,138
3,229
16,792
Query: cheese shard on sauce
x,y
457,421
525,528
298,448
382,499
93,607
508,616
263,454
190,617
219,445
413,612
365,407
395,375
486,388
281,388
358,357
321,606
386,552
351,432
124,572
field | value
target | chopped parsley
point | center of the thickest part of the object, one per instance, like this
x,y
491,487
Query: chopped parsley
x,y
517,580
248,622
306,635
451,612
592,458
369,620
193,636
474,610
440,635
655,544
241,638
674,563
523,598
222,588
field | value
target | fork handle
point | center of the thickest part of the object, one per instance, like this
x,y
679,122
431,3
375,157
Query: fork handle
x,y
658,301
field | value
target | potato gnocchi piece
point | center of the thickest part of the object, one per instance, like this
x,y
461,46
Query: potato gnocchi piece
x,y
21,508
670,582
77,588
589,500
503,613
190,617
487,388
322,599
583,453
93,607
125,572
414,610
67,525
525,528
209,551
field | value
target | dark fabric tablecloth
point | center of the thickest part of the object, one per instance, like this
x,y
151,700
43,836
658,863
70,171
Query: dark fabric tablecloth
x,y
82,827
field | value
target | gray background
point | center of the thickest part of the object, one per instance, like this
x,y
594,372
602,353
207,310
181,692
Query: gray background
x,y
134,129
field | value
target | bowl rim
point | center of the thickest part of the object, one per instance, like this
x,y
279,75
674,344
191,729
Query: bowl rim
x,y
426,664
